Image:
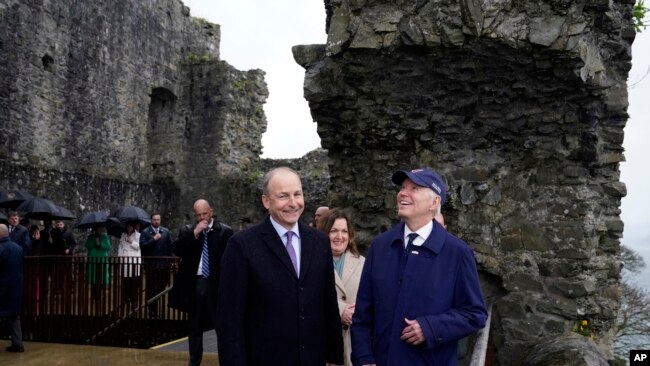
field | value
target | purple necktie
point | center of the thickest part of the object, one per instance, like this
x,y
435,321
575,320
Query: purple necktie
x,y
292,251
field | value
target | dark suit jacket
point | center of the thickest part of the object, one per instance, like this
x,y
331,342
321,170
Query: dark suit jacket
x,y
20,236
11,278
268,316
189,249
61,240
156,248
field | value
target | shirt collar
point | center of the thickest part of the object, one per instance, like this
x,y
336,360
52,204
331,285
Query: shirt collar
x,y
281,230
423,233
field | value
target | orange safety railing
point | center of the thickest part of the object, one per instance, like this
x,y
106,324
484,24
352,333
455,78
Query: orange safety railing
x,y
117,301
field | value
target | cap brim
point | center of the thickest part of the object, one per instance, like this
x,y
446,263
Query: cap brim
x,y
401,175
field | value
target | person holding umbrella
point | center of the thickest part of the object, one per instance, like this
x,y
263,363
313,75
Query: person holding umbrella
x,y
61,240
129,248
98,245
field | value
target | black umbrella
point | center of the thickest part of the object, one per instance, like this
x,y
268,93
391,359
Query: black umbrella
x,y
43,209
90,219
131,213
114,227
64,214
12,198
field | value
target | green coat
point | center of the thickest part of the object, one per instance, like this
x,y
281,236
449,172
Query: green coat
x,y
98,258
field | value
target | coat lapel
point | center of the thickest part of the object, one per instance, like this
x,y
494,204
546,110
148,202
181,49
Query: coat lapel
x,y
339,281
349,266
274,243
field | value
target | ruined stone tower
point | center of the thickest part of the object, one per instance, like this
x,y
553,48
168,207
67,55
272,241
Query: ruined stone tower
x,y
521,106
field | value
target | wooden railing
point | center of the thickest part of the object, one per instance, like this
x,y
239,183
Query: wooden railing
x,y
116,301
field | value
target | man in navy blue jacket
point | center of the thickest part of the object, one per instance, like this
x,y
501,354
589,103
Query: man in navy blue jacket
x,y
11,287
419,291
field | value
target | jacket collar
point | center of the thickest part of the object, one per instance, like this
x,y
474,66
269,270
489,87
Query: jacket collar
x,y
434,242
272,240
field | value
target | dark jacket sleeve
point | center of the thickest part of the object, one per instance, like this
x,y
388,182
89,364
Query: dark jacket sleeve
x,y
185,242
468,313
146,240
70,243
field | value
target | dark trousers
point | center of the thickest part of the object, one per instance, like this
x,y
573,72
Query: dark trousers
x,y
204,309
15,330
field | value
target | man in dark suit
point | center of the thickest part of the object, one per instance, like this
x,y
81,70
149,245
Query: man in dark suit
x,y
200,247
11,287
277,300
155,241
18,233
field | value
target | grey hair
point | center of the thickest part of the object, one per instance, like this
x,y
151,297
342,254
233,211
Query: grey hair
x,y
271,173
4,231
434,195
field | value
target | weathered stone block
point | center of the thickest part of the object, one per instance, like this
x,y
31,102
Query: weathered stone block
x,y
560,305
571,288
523,282
545,30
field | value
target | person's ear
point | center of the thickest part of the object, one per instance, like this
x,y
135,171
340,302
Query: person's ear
x,y
266,201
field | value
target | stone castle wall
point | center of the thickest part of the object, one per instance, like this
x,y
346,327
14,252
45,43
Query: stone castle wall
x,y
124,91
521,106
77,79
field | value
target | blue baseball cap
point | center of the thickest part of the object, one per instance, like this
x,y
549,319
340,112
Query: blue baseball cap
x,y
423,177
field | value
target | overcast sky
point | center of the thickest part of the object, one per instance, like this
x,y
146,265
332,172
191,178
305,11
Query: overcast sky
x,y
259,34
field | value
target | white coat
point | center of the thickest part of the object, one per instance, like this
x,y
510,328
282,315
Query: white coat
x,y
129,251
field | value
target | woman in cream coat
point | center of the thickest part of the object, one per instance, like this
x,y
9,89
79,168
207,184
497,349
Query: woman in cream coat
x,y
348,264
129,250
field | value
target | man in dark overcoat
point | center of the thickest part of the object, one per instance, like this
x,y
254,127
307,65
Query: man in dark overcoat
x,y
200,247
11,287
155,241
277,299
18,233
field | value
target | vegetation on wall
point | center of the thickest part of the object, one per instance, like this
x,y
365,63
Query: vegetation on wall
x,y
194,58
640,11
